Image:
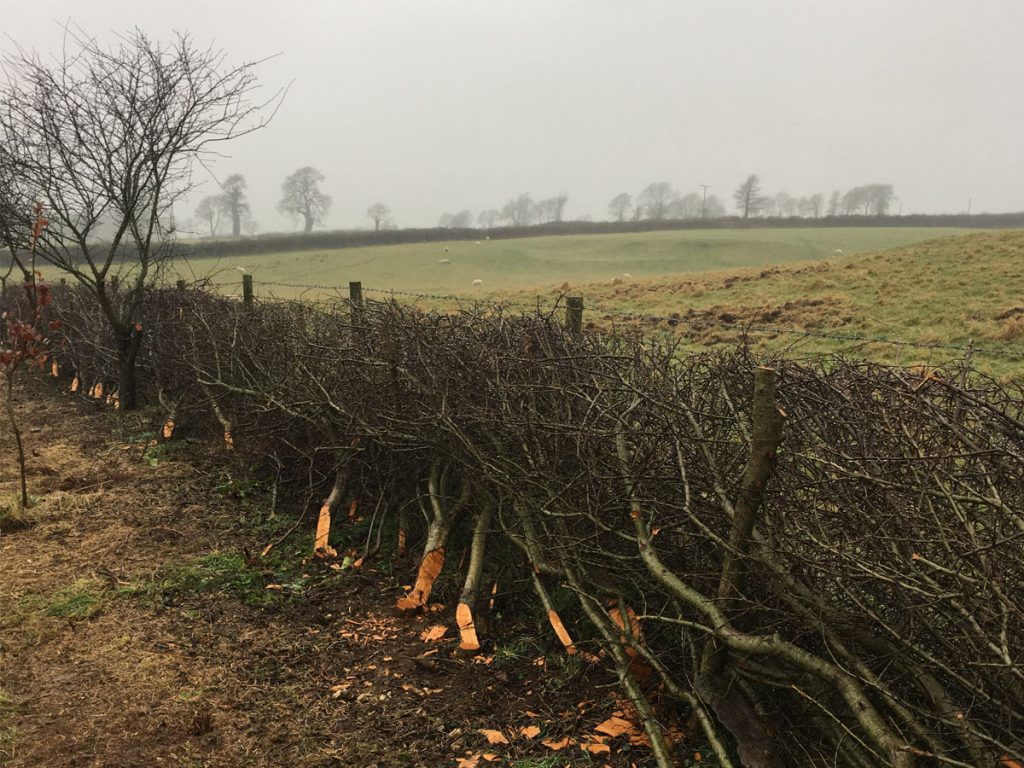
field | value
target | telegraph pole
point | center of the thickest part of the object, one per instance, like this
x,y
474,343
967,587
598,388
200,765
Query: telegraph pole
x,y
704,202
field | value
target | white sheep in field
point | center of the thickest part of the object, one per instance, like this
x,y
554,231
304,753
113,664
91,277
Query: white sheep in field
x,y
444,261
478,242
626,276
838,252
477,283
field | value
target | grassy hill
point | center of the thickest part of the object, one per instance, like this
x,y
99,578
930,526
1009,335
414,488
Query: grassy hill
x,y
957,290
545,262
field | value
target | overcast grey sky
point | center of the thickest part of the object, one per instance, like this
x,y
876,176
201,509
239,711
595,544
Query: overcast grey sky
x,y
439,105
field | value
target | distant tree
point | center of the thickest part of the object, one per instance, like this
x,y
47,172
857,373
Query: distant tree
x,y
748,197
488,219
233,202
445,222
380,215
685,207
462,220
518,212
782,204
814,203
209,210
834,201
655,199
553,208
301,197
880,197
619,206
250,226
636,213
714,208
585,217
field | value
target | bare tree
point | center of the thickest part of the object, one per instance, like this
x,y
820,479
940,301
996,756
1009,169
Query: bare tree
x,y
301,197
656,198
380,215
488,219
815,202
209,210
748,197
619,206
552,208
107,139
461,220
519,211
834,201
233,202
714,208
686,207
16,224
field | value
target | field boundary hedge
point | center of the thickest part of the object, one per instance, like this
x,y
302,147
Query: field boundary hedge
x,y
815,564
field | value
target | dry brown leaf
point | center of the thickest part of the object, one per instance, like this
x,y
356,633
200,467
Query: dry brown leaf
x,y
467,629
469,762
493,736
559,744
1009,762
595,748
490,757
615,726
530,731
434,633
528,713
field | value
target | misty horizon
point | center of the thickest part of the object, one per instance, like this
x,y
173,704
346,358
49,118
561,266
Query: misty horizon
x,y
441,107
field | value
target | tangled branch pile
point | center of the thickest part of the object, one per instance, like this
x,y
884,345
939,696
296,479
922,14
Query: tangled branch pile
x,y
852,595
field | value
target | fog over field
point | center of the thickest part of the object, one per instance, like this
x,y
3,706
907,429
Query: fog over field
x,y
444,106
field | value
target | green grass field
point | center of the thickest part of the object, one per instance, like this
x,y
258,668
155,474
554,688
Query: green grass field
x,y
544,262
954,290
930,286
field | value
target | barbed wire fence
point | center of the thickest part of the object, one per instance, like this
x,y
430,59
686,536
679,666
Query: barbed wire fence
x,y
674,320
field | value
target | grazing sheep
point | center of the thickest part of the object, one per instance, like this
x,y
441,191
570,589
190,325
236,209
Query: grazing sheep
x,y
838,252
478,242
477,283
446,249
444,261
626,276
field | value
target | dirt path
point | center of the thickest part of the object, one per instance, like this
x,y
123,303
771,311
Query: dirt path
x,y
135,631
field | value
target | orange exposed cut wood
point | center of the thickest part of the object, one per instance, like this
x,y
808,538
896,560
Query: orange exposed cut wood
x,y
323,531
229,441
467,629
168,429
75,384
430,567
562,632
54,369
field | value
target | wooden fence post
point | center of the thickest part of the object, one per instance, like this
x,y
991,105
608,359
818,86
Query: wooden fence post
x,y
355,297
247,290
574,315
